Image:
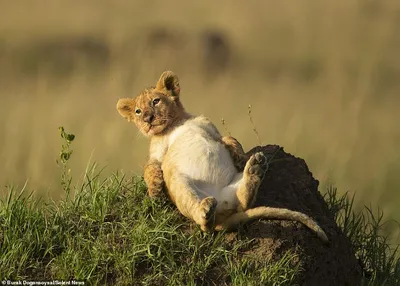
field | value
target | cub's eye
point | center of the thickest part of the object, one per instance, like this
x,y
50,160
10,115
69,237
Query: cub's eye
x,y
156,101
138,111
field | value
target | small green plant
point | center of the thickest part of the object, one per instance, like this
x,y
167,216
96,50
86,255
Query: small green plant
x,y
62,162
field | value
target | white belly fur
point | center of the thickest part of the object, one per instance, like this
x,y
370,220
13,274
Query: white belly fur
x,y
196,155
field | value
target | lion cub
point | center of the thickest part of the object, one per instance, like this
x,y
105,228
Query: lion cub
x,y
200,168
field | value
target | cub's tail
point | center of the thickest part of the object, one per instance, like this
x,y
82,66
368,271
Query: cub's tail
x,y
272,213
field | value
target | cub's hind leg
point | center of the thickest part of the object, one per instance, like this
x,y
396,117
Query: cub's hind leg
x,y
253,175
207,211
201,210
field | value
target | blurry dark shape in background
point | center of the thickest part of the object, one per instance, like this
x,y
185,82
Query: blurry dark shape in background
x,y
216,52
164,40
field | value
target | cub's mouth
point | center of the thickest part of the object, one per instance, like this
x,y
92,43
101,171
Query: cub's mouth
x,y
155,127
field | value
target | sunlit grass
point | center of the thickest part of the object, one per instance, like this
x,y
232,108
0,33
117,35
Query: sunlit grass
x,y
110,232
366,230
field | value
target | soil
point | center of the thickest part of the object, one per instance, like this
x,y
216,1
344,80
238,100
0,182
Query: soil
x,y
289,183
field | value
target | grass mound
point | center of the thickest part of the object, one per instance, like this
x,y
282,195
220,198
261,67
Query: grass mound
x,y
110,232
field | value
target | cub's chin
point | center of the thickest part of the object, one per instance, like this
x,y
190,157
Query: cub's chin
x,y
152,130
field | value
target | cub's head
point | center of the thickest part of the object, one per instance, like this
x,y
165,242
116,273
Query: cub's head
x,y
155,109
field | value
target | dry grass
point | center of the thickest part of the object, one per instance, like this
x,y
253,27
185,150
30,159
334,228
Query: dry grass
x,y
322,78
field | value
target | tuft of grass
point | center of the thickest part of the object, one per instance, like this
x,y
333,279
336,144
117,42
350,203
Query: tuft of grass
x,y
365,229
282,272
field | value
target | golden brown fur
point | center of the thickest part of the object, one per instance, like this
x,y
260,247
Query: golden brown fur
x,y
208,177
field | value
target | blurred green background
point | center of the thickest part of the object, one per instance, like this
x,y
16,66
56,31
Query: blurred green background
x,y
323,79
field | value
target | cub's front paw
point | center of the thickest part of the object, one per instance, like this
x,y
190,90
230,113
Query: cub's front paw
x,y
156,191
236,151
153,176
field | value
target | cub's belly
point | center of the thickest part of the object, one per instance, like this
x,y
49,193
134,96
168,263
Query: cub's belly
x,y
202,160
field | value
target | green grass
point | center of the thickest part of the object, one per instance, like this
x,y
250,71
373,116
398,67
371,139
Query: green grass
x,y
366,230
110,232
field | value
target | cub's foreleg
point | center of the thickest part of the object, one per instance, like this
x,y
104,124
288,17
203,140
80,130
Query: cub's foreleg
x,y
153,176
236,151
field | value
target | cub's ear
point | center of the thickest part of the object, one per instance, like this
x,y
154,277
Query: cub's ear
x,y
169,83
126,107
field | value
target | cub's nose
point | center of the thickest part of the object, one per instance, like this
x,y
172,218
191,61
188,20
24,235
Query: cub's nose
x,y
148,118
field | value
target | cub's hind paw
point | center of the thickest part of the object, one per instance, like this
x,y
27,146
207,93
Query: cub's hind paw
x,y
257,165
207,210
